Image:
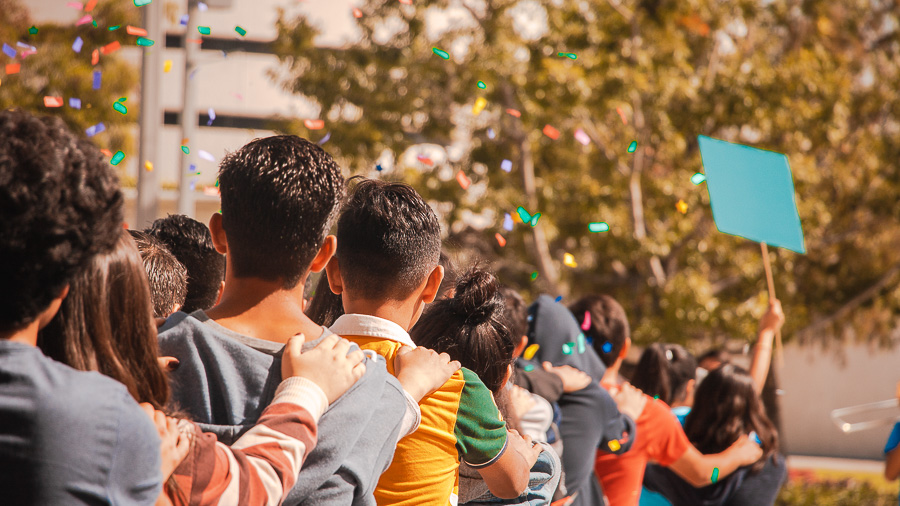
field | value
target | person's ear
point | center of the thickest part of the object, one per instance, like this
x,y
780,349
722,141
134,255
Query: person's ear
x,y
329,246
218,233
625,347
175,308
333,271
432,285
509,373
520,348
219,295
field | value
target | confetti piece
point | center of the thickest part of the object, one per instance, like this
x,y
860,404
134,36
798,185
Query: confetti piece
x,y
507,222
202,6
490,133
148,166
90,5
95,57
479,106
98,77
84,20
440,52
184,20
621,115
551,132
581,346
94,23
569,260
134,30
206,155
240,31
314,124
698,178
75,103
75,5
530,351
528,218
500,239
715,474
204,30
568,348
754,437
463,180
94,130
13,68
607,347
141,3
513,112
481,85
695,24
120,107
529,367
111,47
582,137
167,66
571,56
212,116
379,168
425,160
534,275
323,140
586,324
118,157
656,397
144,41
186,150
9,50
357,13
406,2
598,226
681,206
558,298
113,28
77,45
33,30
632,147
615,445
106,153
506,165
53,102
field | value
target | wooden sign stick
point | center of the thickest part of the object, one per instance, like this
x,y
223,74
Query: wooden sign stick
x,y
778,346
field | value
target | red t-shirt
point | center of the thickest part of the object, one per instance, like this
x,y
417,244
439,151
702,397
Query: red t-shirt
x,y
660,438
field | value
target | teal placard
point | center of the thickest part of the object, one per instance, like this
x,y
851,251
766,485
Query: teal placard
x,y
752,193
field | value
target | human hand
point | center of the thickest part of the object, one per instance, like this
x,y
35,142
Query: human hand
x,y
521,400
175,445
747,450
630,400
327,365
422,371
523,444
573,380
773,319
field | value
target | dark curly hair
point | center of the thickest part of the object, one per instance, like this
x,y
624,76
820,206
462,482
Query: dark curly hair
x,y
608,329
191,243
168,278
279,197
60,204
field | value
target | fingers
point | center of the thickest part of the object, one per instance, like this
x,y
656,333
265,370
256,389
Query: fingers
x,y
356,357
404,350
294,345
342,348
455,365
547,366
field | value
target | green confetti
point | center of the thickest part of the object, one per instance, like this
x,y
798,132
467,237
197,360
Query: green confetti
x,y
571,56
118,157
240,30
632,147
698,178
186,150
141,3
567,348
598,226
481,85
203,29
715,475
581,345
119,106
94,23
144,41
534,275
440,52
656,397
33,30
113,28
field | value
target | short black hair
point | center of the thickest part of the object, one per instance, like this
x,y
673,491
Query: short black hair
x,y
389,240
279,197
191,243
608,327
60,204
167,277
516,312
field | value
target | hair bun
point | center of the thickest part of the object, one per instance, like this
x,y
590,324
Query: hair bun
x,y
477,296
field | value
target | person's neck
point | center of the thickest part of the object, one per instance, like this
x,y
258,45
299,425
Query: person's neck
x,y
26,335
263,309
399,312
611,376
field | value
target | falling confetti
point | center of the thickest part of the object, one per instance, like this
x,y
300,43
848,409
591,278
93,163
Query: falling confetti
x,y
425,160
379,168
755,437
558,298
118,157
13,68
568,348
614,445
586,324
9,50
33,30
75,103
569,260
481,85
90,5
94,130
314,124
144,41
500,239
551,132
582,137
167,66
463,180
141,3
621,115
406,2
134,30
119,106
698,178
479,106
324,139
529,367
607,347
534,275
78,44
114,28
598,226
506,165
581,346
240,31
111,47
715,474
490,133
95,57
513,112
186,150
632,147
681,206
530,351
440,52
84,20
357,13
507,222
53,102
148,166
206,155
98,79
212,116
571,56
204,30
528,218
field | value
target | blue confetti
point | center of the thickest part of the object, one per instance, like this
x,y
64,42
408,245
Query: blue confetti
x,y
559,298
192,168
530,318
96,129
76,46
378,168
184,20
9,50
323,140
506,165
75,103
507,223
607,347
98,78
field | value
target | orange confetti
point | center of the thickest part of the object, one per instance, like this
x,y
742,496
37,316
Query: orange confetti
x,y
133,30
111,47
551,132
500,239
106,153
90,5
314,124
463,180
53,101
513,112
681,206
622,115
95,57
196,41
406,2
13,68
357,13
695,24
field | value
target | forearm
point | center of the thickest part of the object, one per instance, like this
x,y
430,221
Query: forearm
x,y
507,477
892,465
698,469
762,358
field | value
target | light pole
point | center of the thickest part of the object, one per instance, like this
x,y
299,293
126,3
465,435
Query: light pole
x,y
151,61
189,113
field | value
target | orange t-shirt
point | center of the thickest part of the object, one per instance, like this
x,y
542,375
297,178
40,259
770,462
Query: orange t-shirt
x,y
660,438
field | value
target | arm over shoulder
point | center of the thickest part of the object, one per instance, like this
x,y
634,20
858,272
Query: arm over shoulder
x,y
135,476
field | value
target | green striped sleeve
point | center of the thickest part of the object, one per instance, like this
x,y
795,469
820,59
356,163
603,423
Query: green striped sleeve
x,y
480,430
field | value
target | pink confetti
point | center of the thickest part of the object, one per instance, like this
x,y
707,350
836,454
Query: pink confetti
x,y
357,13
75,5
513,112
586,324
424,159
582,137
621,115
463,180
86,19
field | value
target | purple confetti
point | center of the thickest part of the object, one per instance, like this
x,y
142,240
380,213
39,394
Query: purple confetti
x,y
184,20
323,140
491,133
206,155
9,50
98,77
506,165
94,130
212,116
77,45
192,168
507,223
75,103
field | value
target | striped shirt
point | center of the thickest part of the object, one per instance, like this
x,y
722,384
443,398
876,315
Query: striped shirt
x,y
262,465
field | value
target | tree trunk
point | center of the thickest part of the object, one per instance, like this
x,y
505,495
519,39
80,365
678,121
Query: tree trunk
x,y
539,240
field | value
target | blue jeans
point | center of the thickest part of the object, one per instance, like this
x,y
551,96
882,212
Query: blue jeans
x,y
542,483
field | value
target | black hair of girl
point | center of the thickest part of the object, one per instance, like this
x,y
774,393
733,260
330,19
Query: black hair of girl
x,y
726,406
664,370
471,328
325,306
